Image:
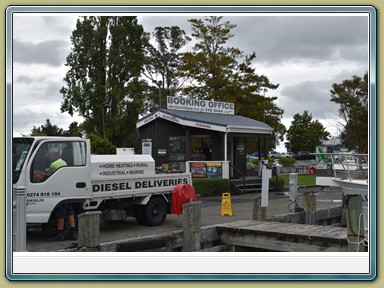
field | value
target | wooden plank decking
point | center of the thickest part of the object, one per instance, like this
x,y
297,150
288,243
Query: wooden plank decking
x,y
283,237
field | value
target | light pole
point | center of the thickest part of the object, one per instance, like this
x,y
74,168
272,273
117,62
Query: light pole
x,y
174,87
264,90
105,106
159,98
159,85
102,121
290,148
290,142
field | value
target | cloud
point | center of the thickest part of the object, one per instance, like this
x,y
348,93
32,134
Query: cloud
x,y
50,52
277,39
29,116
309,95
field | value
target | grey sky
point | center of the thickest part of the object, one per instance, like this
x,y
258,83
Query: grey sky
x,y
304,54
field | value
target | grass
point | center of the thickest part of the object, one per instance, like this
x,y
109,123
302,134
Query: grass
x,y
303,180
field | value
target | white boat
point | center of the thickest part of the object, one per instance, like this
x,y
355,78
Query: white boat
x,y
353,187
351,176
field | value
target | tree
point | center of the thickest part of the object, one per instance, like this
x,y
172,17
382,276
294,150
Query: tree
x,y
163,61
102,83
211,64
53,130
304,134
47,130
101,145
73,130
352,96
219,72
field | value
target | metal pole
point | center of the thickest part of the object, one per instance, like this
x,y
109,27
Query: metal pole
x,y
264,107
293,193
265,175
225,146
102,119
159,98
19,219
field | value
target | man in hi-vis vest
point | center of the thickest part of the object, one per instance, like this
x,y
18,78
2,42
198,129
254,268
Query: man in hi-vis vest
x,y
63,210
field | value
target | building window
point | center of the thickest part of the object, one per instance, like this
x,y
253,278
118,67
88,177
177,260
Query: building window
x,y
176,147
53,156
201,147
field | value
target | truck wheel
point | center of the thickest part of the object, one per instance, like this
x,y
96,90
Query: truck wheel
x,y
155,211
49,228
139,211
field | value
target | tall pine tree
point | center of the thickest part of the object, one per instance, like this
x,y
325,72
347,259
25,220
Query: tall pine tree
x,y
219,72
102,83
163,62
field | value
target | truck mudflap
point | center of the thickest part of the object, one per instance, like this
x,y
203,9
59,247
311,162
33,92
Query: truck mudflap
x,y
145,200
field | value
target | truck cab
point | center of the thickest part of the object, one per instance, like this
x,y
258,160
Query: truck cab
x,y
70,183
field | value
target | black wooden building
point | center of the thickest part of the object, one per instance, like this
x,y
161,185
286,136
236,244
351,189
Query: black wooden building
x,y
177,136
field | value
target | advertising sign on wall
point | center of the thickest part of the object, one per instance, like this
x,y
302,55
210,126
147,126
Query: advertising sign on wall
x,y
214,170
198,105
199,170
146,146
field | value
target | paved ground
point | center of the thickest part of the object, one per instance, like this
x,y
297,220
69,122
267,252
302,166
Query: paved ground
x,y
279,203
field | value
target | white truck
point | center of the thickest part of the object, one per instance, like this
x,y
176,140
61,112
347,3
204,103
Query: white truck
x,y
117,185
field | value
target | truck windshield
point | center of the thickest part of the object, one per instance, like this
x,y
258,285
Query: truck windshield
x,y
20,148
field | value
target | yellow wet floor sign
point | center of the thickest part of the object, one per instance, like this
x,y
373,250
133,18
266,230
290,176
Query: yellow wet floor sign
x,y
226,206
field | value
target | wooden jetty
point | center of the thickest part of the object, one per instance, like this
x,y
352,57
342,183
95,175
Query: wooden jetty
x,y
280,233
242,236
283,237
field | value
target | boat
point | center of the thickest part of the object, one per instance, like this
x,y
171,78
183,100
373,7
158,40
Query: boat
x,y
350,174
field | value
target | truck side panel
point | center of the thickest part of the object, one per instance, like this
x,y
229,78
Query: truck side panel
x,y
133,188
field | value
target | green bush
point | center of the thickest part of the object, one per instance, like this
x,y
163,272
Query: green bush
x,y
255,161
101,145
286,161
303,180
278,185
211,187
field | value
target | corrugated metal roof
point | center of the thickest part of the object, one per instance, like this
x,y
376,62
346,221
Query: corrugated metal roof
x,y
229,123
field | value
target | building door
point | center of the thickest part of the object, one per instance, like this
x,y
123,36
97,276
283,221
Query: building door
x,y
239,160
201,148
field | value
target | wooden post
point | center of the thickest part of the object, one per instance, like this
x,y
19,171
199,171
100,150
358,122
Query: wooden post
x,y
191,226
258,213
343,221
355,223
89,231
310,207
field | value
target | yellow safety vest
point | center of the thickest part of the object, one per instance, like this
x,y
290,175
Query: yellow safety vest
x,y
55,165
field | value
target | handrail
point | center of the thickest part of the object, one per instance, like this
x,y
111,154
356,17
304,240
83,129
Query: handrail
x,y
241,173
274,171
345,165
265,164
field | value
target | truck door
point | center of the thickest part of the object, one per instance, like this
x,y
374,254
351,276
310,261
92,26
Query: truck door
x,y
51,179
